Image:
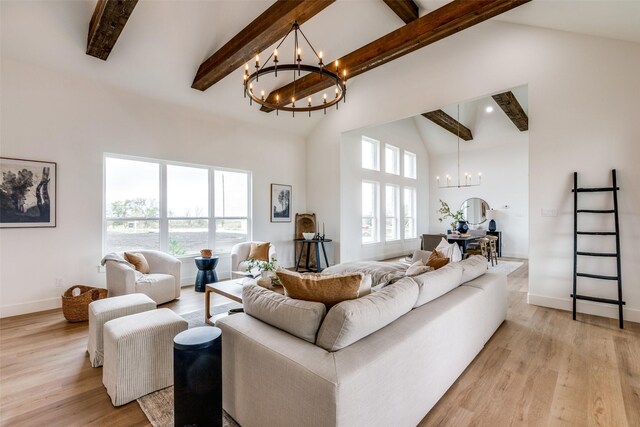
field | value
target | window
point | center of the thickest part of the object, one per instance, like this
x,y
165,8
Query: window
x,y
370,154
392,206
176,208
410,165
410,213
369,212
187,209
392,159
132,194
231,209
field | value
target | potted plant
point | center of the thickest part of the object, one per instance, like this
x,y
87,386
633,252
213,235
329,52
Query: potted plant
x,y
457,216
263,267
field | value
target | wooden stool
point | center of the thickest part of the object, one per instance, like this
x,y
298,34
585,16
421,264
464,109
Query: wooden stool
x,y
493,252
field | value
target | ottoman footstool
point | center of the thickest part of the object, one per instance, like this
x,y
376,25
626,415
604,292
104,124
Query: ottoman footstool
x,y
138,354
104,310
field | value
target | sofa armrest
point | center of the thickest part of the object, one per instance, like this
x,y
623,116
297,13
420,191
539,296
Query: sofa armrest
x,y
264,367
121,278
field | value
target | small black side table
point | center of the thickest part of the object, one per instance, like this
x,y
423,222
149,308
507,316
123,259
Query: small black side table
x,y
206,272
319,244
197,377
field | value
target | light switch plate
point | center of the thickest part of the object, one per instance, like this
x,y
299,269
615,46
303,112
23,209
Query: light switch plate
x,y
549,212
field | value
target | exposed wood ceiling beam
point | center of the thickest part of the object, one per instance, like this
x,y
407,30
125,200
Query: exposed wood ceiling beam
x,y
267,29
407,10
447,122
443,22
512,108
107,22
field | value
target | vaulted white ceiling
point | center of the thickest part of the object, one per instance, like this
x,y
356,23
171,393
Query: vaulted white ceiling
x,y
164,42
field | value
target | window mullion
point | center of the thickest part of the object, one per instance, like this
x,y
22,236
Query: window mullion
x,y
212,219
164,221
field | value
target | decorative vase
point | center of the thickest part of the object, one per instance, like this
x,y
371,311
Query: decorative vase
x,y
492,225
206,253
462,227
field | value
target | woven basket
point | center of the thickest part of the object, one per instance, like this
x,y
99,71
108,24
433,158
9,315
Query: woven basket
x,y
76,309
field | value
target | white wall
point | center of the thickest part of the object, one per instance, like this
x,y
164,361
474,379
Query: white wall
x,y
54,117
404,135
583,111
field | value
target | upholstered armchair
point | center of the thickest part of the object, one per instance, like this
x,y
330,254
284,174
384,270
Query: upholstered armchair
x,y
240,255
162,284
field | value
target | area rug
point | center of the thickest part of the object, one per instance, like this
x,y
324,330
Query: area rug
x,y
158,407
506,267
196,318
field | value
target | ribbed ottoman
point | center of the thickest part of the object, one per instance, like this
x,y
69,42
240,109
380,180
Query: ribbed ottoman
x,y
101,311
138,354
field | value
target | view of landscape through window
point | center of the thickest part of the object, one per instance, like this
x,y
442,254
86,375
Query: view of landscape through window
x,y
136,219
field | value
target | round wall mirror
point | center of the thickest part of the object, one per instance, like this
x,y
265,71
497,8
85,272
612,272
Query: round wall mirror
x,y
475,210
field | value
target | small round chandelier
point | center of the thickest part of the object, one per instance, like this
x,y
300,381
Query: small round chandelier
x,y
337,77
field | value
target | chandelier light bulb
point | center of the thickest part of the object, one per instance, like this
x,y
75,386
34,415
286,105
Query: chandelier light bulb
x,y
320,55
275,53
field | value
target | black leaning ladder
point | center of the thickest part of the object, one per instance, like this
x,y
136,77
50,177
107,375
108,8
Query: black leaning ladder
x,y
618,277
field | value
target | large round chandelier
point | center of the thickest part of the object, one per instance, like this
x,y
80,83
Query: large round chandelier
x,y
272,66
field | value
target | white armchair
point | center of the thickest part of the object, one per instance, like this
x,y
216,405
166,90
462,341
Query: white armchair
x,y
240,255
162,284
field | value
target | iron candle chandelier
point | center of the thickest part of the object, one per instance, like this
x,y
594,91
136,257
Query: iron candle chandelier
x,y
331,72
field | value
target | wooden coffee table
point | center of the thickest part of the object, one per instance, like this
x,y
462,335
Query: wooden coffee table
x,y
231,289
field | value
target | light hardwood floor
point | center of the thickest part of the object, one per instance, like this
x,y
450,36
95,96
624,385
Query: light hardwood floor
x,y
540,368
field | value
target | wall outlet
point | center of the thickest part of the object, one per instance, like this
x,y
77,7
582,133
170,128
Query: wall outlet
x,y
59,282
101,269
549,212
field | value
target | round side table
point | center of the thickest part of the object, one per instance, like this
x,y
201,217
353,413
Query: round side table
x,y
206,272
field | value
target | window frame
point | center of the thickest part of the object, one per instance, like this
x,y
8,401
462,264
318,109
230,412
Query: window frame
x,y
414,156
396,150
163,217
414,211
396,216
376,159
376,212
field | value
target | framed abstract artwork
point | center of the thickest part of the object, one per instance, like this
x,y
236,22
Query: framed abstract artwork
x,y
280,203
27,193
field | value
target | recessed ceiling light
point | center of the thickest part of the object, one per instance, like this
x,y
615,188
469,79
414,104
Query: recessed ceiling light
x,y
489,109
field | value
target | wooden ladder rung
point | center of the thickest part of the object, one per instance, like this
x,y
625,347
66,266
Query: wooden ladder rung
x,y
596,299
597,276
597,254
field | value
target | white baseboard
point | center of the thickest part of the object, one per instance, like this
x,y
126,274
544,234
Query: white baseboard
x,y
587,307
30,307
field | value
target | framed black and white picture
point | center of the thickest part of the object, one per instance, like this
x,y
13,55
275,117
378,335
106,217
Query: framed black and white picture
x,y
27,193
280,203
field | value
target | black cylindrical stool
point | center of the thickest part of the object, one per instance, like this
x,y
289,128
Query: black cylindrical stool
x,y
197,377
206,272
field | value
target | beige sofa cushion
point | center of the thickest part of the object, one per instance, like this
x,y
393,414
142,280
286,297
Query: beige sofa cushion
x,y
472,267
437,283
300,318
350,321
328,289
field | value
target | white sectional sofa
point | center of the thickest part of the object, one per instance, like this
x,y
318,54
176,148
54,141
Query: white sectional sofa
x,y
391,377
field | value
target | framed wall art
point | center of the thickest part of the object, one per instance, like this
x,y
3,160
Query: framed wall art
x,y
280,203
27,193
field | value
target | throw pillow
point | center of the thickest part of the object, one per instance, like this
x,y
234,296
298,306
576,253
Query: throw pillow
x,y
259,251
139,262
420,255
417,268
437,260
450,250
328,289
300,318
